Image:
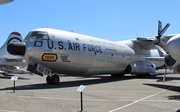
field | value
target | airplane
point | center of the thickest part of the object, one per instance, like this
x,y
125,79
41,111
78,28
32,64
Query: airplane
x,y
9,62
14,69
5,1
51,52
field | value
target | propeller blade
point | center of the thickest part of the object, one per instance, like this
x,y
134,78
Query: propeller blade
x,y
161,51
160,30
159,27
165,71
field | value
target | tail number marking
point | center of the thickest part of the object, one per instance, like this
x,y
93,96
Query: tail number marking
x,y
43,70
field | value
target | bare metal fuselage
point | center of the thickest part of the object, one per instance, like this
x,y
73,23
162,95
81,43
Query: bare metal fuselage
x,y
76,54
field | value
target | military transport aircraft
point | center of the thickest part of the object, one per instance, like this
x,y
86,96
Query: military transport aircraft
x,y
8,62
14,69
51,52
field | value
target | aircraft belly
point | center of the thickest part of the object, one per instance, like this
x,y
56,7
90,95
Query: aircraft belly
x,y
96,71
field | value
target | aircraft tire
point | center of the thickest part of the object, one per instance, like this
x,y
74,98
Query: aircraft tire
x,y
4,74
55,79
49,80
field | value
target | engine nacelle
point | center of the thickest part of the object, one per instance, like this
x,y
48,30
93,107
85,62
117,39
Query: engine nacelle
x,y
170,44
163,41
173,45
141,67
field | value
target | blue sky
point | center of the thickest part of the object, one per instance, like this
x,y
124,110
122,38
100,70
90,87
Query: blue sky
x,y
113,20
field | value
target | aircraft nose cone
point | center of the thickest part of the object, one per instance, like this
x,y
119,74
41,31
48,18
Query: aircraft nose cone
x,y
16,48
173,47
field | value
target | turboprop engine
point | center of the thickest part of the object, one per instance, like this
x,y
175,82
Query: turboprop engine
x,y
173,47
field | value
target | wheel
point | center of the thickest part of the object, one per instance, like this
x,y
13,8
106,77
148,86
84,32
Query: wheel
x,y
4,74
48,80
55,79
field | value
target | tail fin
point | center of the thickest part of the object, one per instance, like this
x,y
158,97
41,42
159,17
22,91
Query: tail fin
x,y
13,37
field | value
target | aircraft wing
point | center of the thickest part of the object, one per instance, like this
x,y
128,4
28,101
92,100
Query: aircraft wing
x,y
14,59
14,69
145,43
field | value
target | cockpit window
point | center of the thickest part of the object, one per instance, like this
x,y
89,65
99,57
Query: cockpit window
x,y
37,35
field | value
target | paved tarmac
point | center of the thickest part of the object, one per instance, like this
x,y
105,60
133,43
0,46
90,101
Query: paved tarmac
x,y
102,94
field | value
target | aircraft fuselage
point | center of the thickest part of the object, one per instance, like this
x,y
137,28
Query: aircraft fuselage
x,y
72,53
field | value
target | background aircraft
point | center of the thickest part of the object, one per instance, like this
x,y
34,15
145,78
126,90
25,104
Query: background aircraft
x,y
50,51
5,1
14,69
9,62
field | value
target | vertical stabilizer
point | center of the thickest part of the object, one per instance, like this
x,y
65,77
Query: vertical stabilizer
x,y
13,37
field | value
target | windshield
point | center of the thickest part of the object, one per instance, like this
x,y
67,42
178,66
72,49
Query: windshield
x,y
37,35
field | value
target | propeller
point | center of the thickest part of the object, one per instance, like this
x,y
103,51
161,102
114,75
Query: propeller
x,y
165,55
157,41
161,51
165,72
160,32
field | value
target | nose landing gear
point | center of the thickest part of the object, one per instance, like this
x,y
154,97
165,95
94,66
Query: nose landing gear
x,y
53,80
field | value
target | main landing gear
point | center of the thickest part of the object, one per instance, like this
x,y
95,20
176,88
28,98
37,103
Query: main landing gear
x,y
52,80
